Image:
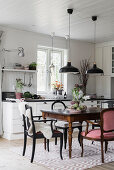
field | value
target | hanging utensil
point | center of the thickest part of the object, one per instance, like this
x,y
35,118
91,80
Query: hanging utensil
x,y
30,84
24,84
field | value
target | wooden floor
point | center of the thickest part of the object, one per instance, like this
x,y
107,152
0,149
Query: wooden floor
x,y
5,144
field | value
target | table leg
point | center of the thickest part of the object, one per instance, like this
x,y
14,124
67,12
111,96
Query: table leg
x,y
70,139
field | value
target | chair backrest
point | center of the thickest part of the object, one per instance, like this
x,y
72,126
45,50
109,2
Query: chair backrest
x,y
110,103
28,120
107,120
58,105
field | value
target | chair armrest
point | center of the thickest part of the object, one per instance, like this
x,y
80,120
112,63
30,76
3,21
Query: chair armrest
x,y
93,123
44,121
39,117
87,126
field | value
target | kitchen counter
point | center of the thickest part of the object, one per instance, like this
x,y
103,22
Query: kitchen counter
x,y
46,100
99,98
38,100
60,99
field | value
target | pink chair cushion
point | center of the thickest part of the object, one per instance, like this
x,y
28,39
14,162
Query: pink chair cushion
x,y
96,134
108,120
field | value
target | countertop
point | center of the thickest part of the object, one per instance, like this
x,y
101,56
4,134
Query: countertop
x,y
46,100
39,100
57,99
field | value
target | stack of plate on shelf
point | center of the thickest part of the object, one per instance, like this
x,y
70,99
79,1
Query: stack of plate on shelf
x,y
18,66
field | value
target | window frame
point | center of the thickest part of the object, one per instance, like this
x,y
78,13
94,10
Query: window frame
x,y
48,50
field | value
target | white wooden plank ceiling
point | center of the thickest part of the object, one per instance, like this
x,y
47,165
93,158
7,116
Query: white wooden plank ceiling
x,y
46,16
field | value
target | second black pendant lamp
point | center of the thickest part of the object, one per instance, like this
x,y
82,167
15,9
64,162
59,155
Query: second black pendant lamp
x,y
94,69
69,68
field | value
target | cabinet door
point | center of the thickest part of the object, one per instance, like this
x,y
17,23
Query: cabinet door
x,y
99,57
107,60
67,103
103,86
90,103
106,85
42,105
99,82
33,105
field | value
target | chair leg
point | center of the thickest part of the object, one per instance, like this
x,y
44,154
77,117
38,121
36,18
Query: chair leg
x,y
33,149
79,134
92,128
48,145
81,142
102,152
65,137
25,142
61,146
56,139
45,143
106,146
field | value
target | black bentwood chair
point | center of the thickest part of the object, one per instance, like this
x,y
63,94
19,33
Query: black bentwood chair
x,y
31,121
64,125
110,104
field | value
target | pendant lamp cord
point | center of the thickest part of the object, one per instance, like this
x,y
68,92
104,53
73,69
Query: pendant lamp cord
x,y
69,38
94,38
52,47
53,33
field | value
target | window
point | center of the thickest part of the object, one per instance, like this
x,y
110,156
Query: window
x,y
46,76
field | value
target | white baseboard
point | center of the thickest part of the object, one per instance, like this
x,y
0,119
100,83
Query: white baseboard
x,y
12,136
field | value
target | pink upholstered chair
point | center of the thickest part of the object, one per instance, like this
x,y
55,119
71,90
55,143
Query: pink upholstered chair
x,y
104,134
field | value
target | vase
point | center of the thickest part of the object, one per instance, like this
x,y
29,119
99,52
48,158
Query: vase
x,y
60,92
18,95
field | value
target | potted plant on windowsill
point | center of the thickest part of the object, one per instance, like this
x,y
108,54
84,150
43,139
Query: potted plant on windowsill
x,y
19,86
32,66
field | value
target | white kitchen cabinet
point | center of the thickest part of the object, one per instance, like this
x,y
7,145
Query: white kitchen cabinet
x,y
107,65
103,86
47,105
42,105
103,59
105,55
12,121
90,103
99,82
99,57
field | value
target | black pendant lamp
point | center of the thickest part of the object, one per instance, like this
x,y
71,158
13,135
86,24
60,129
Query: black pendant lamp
x,y
94,69
69,68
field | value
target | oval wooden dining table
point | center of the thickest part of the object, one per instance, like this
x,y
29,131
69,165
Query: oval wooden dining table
x,y
71,115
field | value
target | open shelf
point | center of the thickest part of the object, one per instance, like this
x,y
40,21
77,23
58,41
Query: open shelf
x,y
19,70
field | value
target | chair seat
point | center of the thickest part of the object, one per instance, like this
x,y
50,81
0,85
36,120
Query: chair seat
x,y
96,134
56,131
39,132
66,125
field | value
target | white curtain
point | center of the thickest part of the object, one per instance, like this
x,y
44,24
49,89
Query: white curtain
x,y
1,130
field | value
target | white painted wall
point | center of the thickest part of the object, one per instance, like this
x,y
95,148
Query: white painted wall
x,y
13,38
81,50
